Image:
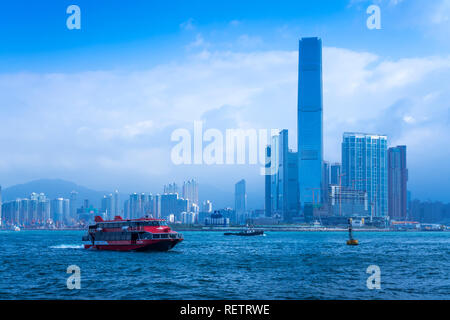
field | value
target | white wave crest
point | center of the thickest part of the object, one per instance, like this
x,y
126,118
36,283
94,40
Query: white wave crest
x,y
67,246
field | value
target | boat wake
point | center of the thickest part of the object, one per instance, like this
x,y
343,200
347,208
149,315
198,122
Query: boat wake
x,y
67,246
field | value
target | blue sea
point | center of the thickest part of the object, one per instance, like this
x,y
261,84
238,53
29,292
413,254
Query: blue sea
x,y
209,265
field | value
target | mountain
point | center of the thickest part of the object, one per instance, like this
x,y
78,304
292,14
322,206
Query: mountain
x,y
53,188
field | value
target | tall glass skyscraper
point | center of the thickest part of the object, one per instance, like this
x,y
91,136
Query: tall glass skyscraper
x,y
310,136
335,173
240,201
397,182
364,167
1,216
282,186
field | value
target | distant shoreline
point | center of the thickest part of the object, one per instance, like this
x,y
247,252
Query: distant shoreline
x,y
264,228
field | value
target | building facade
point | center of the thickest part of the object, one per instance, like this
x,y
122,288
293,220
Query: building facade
x,y
190,191
310,135
282,197
364,167
240,201
335,174
397,183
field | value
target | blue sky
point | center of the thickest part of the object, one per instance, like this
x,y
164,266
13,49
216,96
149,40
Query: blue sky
x,y
96,105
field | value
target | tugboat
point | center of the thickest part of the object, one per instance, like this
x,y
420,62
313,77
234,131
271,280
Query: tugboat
x,y
247,232
145,234
351,241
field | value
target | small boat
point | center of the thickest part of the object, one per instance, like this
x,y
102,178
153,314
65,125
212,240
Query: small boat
x,y
351,241
247,232
16,228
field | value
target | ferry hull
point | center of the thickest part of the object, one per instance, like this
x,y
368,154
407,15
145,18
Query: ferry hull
x,y
150,245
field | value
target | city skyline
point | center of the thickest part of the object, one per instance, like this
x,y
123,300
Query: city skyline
x,y
115,146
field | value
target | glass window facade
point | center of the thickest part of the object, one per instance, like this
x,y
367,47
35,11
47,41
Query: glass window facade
x,y
364,167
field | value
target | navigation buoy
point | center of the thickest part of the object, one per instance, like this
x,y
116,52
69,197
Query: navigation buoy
x,y
351,241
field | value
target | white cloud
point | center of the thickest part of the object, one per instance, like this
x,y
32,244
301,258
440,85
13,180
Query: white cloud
x,y
100,127
188,25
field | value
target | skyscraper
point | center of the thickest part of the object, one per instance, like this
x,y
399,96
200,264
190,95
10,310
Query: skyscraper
x,y
397,183
116,210
190,191
364,167
73,204
171,188
335,174
282,191
310,136
1,216
267,182
325,181
240,201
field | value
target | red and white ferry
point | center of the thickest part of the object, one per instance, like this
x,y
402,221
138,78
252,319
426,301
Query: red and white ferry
x,y
131,235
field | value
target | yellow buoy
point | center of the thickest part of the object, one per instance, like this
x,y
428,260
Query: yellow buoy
x,y
351,241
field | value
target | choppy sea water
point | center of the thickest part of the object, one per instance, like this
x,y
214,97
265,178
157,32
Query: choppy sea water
x,y
209,265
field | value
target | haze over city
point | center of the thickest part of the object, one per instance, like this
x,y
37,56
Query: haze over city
x,y
98,106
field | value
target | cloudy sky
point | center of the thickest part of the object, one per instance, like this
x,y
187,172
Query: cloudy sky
x,y
97,106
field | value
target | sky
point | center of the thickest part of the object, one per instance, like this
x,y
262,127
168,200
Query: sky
x,y
97,106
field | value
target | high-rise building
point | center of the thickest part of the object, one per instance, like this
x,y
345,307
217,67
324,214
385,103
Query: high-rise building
x,y
73,205
397,183
267,182
57,210
282,191
137,206
190,191
240,201
1,215
170,205
171,188
207,206
335,171
346,202
310,135
325,181
116,208
364,167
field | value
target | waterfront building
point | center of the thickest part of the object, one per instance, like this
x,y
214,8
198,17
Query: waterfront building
x,y
190,191
397,183
156,205
364,168
310,134
171,188
73,205
1,213
107,206
268,184
347,202
169,205
116,204
240,201
282,197
36,210
207,206
217,219
325,181
335,173
57,210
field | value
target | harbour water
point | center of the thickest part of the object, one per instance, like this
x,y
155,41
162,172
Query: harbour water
x,y
209,265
